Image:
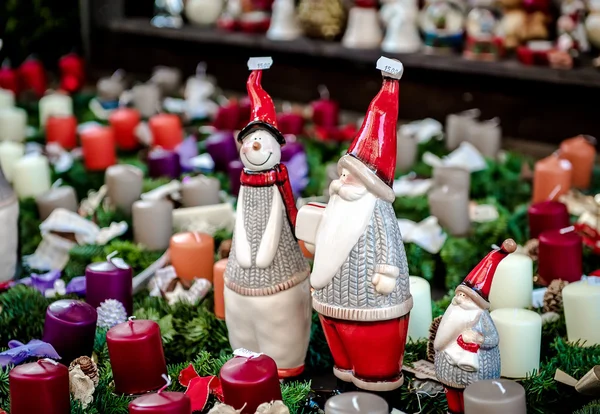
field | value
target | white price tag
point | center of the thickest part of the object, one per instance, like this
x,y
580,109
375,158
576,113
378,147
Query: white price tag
x,y
242,352
259,63
390,66
538,297
592,280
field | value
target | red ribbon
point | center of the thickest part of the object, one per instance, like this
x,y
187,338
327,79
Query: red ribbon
x,y
200,388
467,347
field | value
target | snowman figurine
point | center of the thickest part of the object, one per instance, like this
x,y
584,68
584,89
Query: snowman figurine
x,y
267,295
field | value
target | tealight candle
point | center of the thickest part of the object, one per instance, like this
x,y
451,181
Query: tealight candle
x,y
98,147
161,403
222,149
497,396
219,288
356,403
200,191
582,312
559,256
551,178
124,186
451,207
70,328
153,223
136,356
192,255
146,99
581,153
10,153
13,124
31,176
124,122
7,98
421,313
454,177
54,104
512,286
167,131
547,215
39,387
62,130
163,163
59,197
112,279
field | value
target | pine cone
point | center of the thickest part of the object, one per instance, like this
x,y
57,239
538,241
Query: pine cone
x,y
531,249
435,324
553,301
225,249
88,367
111,312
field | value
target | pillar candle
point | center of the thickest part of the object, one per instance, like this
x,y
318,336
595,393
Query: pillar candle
x,y
146,99
163,163
234,170
406,151
13,124
10,154
581,153
70,328
512,286
249,382
421,313
109,280
98,146
486,136
326,113
227,117
200,191
136,356
153,223
290,123
356,402
454,177
582,312
59,197
560,256
219,287
547,215
9,78
192,255
62,129
451,207
551,178
54,104
124,186
167,131
161,403
167,79
124,122
7,98
31,176
222,149
497,396
520,332
39,387
458,127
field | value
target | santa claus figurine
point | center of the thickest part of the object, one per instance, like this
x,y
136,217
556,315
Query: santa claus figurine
x,y
360,272
466,342
267,293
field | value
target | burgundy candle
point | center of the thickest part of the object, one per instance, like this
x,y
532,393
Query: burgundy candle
x,y
109,280
234,170
245,112
326,113
250,382
136,356
547,215
162,163
70,328
227,117
39,387
290,123
222,149
560,256
161,403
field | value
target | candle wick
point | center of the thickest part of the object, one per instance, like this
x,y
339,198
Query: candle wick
x,y
111,255
53,362
567,230
197,237
167,378
554,192
57,183
499,385
131,318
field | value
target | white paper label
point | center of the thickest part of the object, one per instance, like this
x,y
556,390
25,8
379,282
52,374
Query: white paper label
x,y
259,63
241,352
538,297
592,280
390,66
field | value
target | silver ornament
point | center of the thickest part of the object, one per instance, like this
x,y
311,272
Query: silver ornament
x,y
111,312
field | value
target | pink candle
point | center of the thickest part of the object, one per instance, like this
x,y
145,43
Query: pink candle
x,y
560,256
547,215
39,387
167,131
98,146
124,121
161,403
326,112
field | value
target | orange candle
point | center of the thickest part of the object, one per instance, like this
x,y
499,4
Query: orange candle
x,y
305,251
193,255
98,146
551,178
167,131
219,287
581,153
62,130
124,121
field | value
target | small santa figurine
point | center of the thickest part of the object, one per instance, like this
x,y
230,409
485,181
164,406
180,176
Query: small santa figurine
x,y
267,292
360,272
466,342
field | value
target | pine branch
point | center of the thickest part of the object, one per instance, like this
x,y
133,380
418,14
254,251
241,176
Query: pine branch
x,y
294,394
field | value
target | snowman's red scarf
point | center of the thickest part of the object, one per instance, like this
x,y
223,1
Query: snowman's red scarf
x,y
278,176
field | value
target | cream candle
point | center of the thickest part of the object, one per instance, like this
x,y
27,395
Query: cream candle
x,y
153,223
124,186
146,99
200,191
10,153
454,177
55,104
520,332
13,124
497,396
486,136
512,285
421,313
406,150
60,197
7,98
31,176
458,127
582,312
451,207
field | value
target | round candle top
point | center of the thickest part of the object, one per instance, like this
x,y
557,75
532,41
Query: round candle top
x,y
498,396
356,403
73,312
40,370
57,193
582,289
243,371
132,330
517,316
125,115
190,239
162,402
107,266
558,238
548,208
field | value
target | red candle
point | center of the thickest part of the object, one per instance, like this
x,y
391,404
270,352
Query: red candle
x,y
560,256
161,403
98,146
547,215
9,79
290,123
72,72
249,382
33,76
124,121
581,153
39,387
136,356
62,130
167,131
326,113
228,116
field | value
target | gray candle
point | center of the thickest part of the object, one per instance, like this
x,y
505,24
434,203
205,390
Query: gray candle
x,y
498,396
147,99
200,191
124,186
458,127
486,136
153,223
454,177
59,197
406,151
356,403
110,89
451,207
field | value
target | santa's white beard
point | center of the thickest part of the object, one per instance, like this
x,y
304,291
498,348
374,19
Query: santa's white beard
x,y
461,315
345,219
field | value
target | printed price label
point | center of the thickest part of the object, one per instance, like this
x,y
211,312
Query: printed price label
x,y
390,66
242,352
259,63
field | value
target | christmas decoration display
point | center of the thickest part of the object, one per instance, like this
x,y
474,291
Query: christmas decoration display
x,y
324,19
402,34
111,312
483,41
442,22
284,22
363,30
203,12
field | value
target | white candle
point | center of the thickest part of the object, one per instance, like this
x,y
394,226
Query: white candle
x,y
582,312
512,286
10,153
406,150
486,136
458,127
7,98
55,104
520,332
421,314
451,207
13,124
31,176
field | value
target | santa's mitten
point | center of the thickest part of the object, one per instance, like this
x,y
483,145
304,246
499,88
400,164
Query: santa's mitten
x,y
384,278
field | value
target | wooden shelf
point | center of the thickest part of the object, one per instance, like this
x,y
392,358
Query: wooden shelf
x,y
586,76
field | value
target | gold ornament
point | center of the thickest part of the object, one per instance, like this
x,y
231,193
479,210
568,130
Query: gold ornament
x,y
435,324
553,301
324,19
88,367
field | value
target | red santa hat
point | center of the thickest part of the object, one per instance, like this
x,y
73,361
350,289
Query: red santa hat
x,y
263,114
372,155
478,283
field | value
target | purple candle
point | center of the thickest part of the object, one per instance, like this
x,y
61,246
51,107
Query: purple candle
x,y
221,147
109,280
234,170
290,149
70,328
162,163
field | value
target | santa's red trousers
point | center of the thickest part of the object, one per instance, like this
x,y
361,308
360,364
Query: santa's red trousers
x,y
373,351
456,402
